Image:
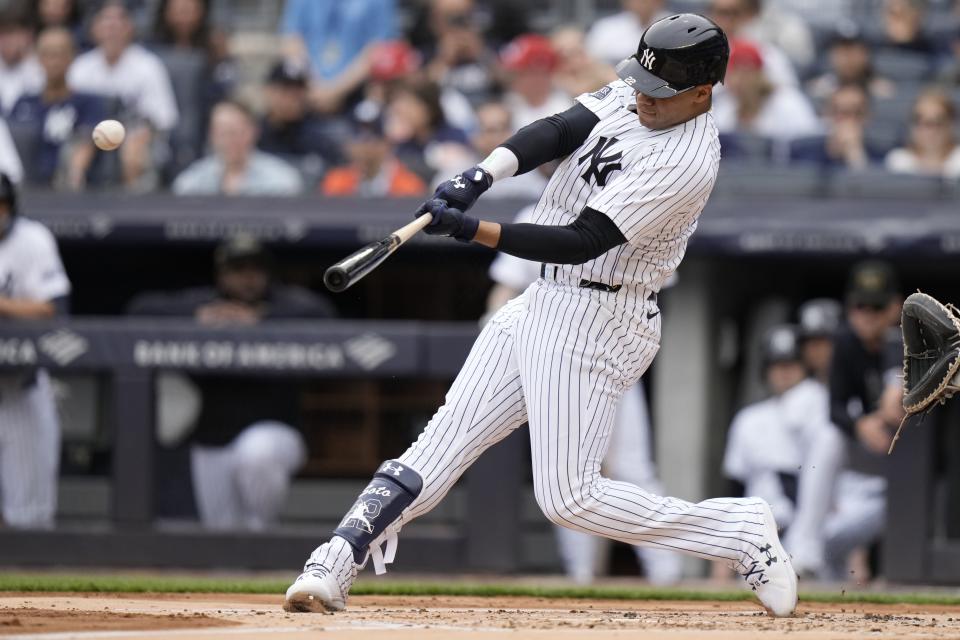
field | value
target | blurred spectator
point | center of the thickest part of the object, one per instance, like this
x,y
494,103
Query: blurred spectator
x,y
577,72
242,454
844,145
200,69
332,36
66,14
19,70
495,126
9,158
773,23
735,18
457,55
374,169
615,37
902,27
950,70
932,149
389,62
289,130
122,70
508,19
54,126
425,142
33,287
397,60
530,63
850,63
236,168
752,104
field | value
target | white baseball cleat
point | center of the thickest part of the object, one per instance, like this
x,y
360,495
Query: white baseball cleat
x,y
771,575
325,581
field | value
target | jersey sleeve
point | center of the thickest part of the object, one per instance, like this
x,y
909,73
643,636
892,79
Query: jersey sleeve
x,y
604,101
668,183
45,278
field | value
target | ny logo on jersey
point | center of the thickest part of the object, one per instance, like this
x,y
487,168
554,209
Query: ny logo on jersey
x,y
648,59
600,165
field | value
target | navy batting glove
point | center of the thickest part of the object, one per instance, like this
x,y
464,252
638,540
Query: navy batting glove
x,y
462,191
448,221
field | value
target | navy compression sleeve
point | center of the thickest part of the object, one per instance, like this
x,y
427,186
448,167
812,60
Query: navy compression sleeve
x,y
589,236
552,137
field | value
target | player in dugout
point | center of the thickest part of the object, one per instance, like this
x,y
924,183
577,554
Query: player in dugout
x,y
33,286
241,455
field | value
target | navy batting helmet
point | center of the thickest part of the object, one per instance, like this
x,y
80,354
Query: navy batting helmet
x,y
675,54
819,317
781,344
8,193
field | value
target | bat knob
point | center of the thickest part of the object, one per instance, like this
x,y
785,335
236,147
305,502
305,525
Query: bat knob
x,y
335,279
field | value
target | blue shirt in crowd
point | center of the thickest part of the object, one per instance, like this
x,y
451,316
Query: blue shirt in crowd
x,y
47,127
336,31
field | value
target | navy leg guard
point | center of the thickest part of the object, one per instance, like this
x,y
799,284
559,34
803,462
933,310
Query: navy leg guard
x,y
393,488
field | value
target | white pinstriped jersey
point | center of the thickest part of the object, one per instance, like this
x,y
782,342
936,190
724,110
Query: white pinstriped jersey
x,y
30,269
653,184
30,266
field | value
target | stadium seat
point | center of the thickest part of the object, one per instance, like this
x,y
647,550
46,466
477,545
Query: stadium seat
x,y
902,65
744,180
877,183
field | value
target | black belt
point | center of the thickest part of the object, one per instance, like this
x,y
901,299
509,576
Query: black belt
x,y
27,382
585,284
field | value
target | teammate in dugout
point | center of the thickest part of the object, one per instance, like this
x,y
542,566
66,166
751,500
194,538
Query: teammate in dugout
x,y
33,286
640,160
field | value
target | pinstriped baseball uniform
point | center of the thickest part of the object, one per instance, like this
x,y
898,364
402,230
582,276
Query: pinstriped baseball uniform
x,y
629,457
30,269
561,354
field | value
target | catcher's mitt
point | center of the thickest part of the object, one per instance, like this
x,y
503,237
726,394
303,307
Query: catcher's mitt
x,y
931,353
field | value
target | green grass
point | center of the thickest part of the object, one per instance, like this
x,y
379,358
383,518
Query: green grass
x,y
154,584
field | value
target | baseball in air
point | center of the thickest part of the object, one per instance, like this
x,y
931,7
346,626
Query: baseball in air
x,y
108,135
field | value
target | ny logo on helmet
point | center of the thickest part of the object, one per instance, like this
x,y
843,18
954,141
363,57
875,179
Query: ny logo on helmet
x,y
648,59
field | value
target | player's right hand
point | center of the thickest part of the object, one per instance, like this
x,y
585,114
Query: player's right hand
x,y
462,191
448,221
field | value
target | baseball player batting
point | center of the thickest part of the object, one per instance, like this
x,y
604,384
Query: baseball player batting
x,y
33,285
640,159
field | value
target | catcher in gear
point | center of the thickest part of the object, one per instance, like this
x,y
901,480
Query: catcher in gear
x,y
931,354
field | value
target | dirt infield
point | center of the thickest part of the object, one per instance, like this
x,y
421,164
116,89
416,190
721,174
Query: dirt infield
x,y
207,616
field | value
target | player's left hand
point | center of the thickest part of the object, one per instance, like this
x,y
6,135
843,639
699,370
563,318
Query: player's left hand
x,y
462,191
448,221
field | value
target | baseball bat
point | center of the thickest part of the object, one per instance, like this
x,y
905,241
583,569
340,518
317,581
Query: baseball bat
x,y
348,271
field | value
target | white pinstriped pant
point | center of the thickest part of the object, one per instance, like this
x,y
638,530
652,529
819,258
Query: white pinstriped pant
x,y
29,452
560,357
